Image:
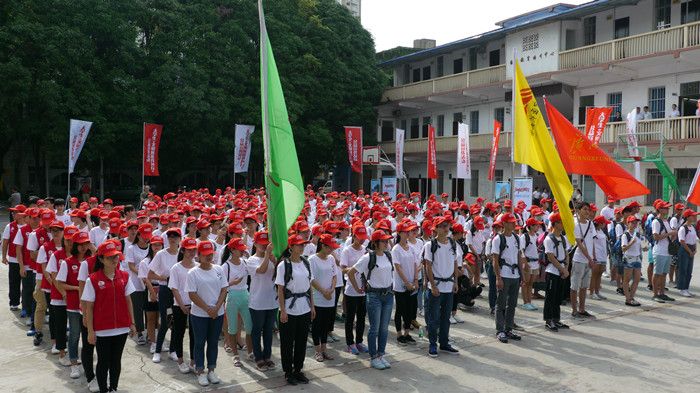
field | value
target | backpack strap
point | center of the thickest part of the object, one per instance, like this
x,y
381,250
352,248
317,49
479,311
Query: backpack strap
x,y
502,247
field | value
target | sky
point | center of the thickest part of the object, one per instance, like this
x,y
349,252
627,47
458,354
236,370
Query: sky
x,y
398,22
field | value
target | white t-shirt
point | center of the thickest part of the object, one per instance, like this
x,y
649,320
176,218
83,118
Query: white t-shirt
x,y
234,272
660,246
89,296
161,264
381,274
98,235
443,263
635,250
608,213
64,218
299,282
585,233
207,284
6,236
476,240
83,272
348,258
530,250
688,234
323,271
510,255
262,287
309,249
600,242
408,261
134,255
178,281
559,252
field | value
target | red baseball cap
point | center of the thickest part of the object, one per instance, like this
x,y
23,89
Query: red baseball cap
x,y
202,224
205,248
634,204
261,238
57,224
188,243
237,244
554,217
295,240
78,213
601,220
688,212
439,220
457,228
47,216
114,225
331,227
145,231
81,237
479,222
360,232
632,218
18,209
108,249
532,221
380,235
507,217
70,231
328,240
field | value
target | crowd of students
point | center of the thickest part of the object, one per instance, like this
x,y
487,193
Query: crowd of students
x,y
202,263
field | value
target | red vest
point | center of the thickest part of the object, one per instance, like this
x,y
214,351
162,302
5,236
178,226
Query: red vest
x,y
110,310
59,255
26,258
72,296
49,248
11,250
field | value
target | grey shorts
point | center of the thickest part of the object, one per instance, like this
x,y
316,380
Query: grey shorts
x,y
580,276
662,264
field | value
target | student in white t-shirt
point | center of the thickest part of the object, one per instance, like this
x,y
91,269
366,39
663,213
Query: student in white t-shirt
x,y
182,303
293,280
325,277
262,301
406,266
529,244
600,244
688,239
206,286
555,248
631,243
133,256
355,303
236,271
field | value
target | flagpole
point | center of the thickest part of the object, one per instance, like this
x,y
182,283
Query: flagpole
x,y
143,147
512,132
264,94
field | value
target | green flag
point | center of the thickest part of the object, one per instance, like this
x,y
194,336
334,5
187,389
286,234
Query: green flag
x,y
285,189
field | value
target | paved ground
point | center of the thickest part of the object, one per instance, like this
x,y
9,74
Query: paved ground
x,y
653,348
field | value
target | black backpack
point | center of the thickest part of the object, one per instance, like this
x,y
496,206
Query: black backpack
x,y
583,238
502,245
557,242
288,270
372,264
434,245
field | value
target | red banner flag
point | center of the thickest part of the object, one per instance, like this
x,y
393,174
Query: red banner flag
x,y
353,137
581,156
151,143
494,148
596,120
694,190
432,159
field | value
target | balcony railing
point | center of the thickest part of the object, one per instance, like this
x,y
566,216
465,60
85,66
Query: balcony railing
x,y
679,37
463,80
449,143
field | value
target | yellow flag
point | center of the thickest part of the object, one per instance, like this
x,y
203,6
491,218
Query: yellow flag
x,y
534,147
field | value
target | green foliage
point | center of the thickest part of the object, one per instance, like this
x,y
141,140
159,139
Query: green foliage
x,y
192,65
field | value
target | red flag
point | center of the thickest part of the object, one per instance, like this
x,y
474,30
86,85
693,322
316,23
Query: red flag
x,y
579,155
596,119
694,191
494,148
353,137
432,160
151,143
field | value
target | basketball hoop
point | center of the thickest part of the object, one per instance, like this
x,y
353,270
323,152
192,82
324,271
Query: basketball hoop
x,y
637,158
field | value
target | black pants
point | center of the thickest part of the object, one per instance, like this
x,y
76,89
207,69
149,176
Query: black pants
x,y
552,300
293,336
338,291
165,301
406,309
355,311
138,300
28,302
320,326
109,360
466,292
87,354
15,284
177,336
57,323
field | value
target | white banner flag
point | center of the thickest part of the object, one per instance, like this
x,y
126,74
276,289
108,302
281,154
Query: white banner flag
x,y
399,152
464,166
242,150
79,131
632,143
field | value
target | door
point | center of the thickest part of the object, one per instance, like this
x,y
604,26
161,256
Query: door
x,y
494,57
622,27
457,189
570,39
584,102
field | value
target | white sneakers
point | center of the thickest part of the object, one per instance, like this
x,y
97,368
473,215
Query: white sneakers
x,y
173,356
93,386
75,372
202,379
64,361
213,378
54,351
685,293
153,347
183,367
457,319
156,358
453,320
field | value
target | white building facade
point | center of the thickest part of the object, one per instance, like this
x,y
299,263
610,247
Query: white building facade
x,y
354,6
622,53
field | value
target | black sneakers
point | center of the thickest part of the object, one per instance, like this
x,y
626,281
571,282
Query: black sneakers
x,y
290,379
513,336
300,377
401,340
551,326
409,339
561,325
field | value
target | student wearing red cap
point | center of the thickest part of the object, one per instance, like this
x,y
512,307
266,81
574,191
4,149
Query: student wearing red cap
x,y
663,235
237,299
631,243
135,253
405,286
108,314
262,302
57,303
356,306
688,240
323,271
182,303
43,295
555,248
583,260
600,243
99,233
206,286
529,241
150,306
9,255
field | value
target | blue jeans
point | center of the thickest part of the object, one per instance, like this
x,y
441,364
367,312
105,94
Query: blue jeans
x,y
685,269
206,331
437,315
379,308
493,291
263,323
165,301
75,321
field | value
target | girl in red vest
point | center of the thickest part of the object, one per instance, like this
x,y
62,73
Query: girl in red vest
x,y
57,304
108,313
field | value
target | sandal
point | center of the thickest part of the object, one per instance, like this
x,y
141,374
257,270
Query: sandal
x,y
327,356
228,348
319,357
261,366
237,361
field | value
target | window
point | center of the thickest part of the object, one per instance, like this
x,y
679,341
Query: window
x,y
690,11
403,124
440,66
499,114
457,66
440,182
655,185
615,101
406,74
588,188
684,177
472,58
622,27
456,119
494,57
426,123
583,103
498,175
474,183
440,125
662,14
416,75
458,189
474,122
589,31
415,131
657,102
387,130
426,73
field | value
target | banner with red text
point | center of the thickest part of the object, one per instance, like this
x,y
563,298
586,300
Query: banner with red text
x,y
353,137
494,148
596,119
79,131
432,159
241,154
400,135
464,166
151,143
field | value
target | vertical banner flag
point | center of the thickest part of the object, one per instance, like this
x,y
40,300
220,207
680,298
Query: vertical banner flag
x,y
151,143
389,186
353,137
241,153
632,142
694,191
464,168
283,183
79,131
522,191
400,134
596,120
494,148
432,159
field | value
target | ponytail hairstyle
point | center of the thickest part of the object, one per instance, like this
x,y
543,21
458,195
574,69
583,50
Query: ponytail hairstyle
x,y
74,251
99,264
225,255
180,254
286,253
319,246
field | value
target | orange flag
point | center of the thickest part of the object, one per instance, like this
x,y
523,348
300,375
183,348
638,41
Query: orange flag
x,y
581,156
